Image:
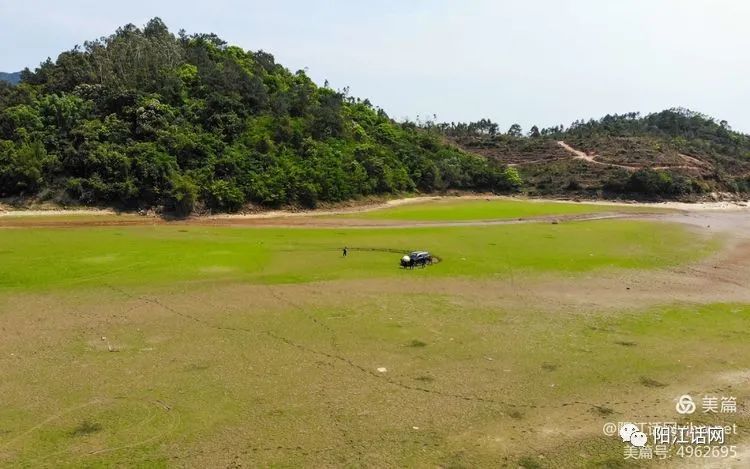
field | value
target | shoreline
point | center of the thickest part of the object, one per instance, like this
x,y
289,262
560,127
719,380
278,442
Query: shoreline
x,y
8,211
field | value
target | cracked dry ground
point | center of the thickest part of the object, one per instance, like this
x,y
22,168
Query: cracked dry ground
x,y
476,372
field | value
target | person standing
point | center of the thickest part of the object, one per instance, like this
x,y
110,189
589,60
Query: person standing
x,y
345,251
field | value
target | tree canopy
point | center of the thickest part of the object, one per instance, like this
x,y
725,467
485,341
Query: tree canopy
x,y
146,118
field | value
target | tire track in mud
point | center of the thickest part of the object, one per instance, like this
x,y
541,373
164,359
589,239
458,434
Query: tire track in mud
x,y
464,397
340,358
291,343
310,317
160,304
338,424
51,419
236,459
149,404
351,442
709,274
333,414
176,422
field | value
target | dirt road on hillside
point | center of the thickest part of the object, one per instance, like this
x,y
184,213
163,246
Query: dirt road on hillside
x,y
692,163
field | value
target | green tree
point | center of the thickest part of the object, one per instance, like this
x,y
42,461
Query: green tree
x,y
182,195
515,131
21,168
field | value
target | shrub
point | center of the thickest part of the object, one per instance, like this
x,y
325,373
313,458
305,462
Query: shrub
x,y
21,168
182,196
224,195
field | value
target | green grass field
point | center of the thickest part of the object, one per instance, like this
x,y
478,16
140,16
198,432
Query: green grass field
x,y
60,257
491,209
184,345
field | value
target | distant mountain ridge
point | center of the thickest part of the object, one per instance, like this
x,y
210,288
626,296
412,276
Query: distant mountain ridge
x,y
12,78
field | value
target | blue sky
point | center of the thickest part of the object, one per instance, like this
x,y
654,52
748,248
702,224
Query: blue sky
x,y
531,62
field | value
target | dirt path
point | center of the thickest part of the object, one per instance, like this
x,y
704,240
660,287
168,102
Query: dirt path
x,y
579,155
312,222
10,216
6,211
695,161
695,164
12,212
318,218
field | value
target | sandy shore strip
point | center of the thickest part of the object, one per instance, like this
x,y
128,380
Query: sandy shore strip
x,y
8,211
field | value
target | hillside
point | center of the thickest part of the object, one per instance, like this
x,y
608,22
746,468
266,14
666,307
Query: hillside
x,y
145,118
675,153
180,123
12,78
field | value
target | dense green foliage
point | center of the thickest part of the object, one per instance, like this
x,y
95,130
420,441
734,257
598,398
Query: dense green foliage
x,y
689,131
675,153
12,78
145,118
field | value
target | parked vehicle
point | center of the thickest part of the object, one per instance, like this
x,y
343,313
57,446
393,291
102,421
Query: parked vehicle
x,y
416,258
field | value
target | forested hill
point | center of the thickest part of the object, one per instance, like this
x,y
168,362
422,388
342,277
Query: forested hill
x,y
12,78
145,118
148,119
674,153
